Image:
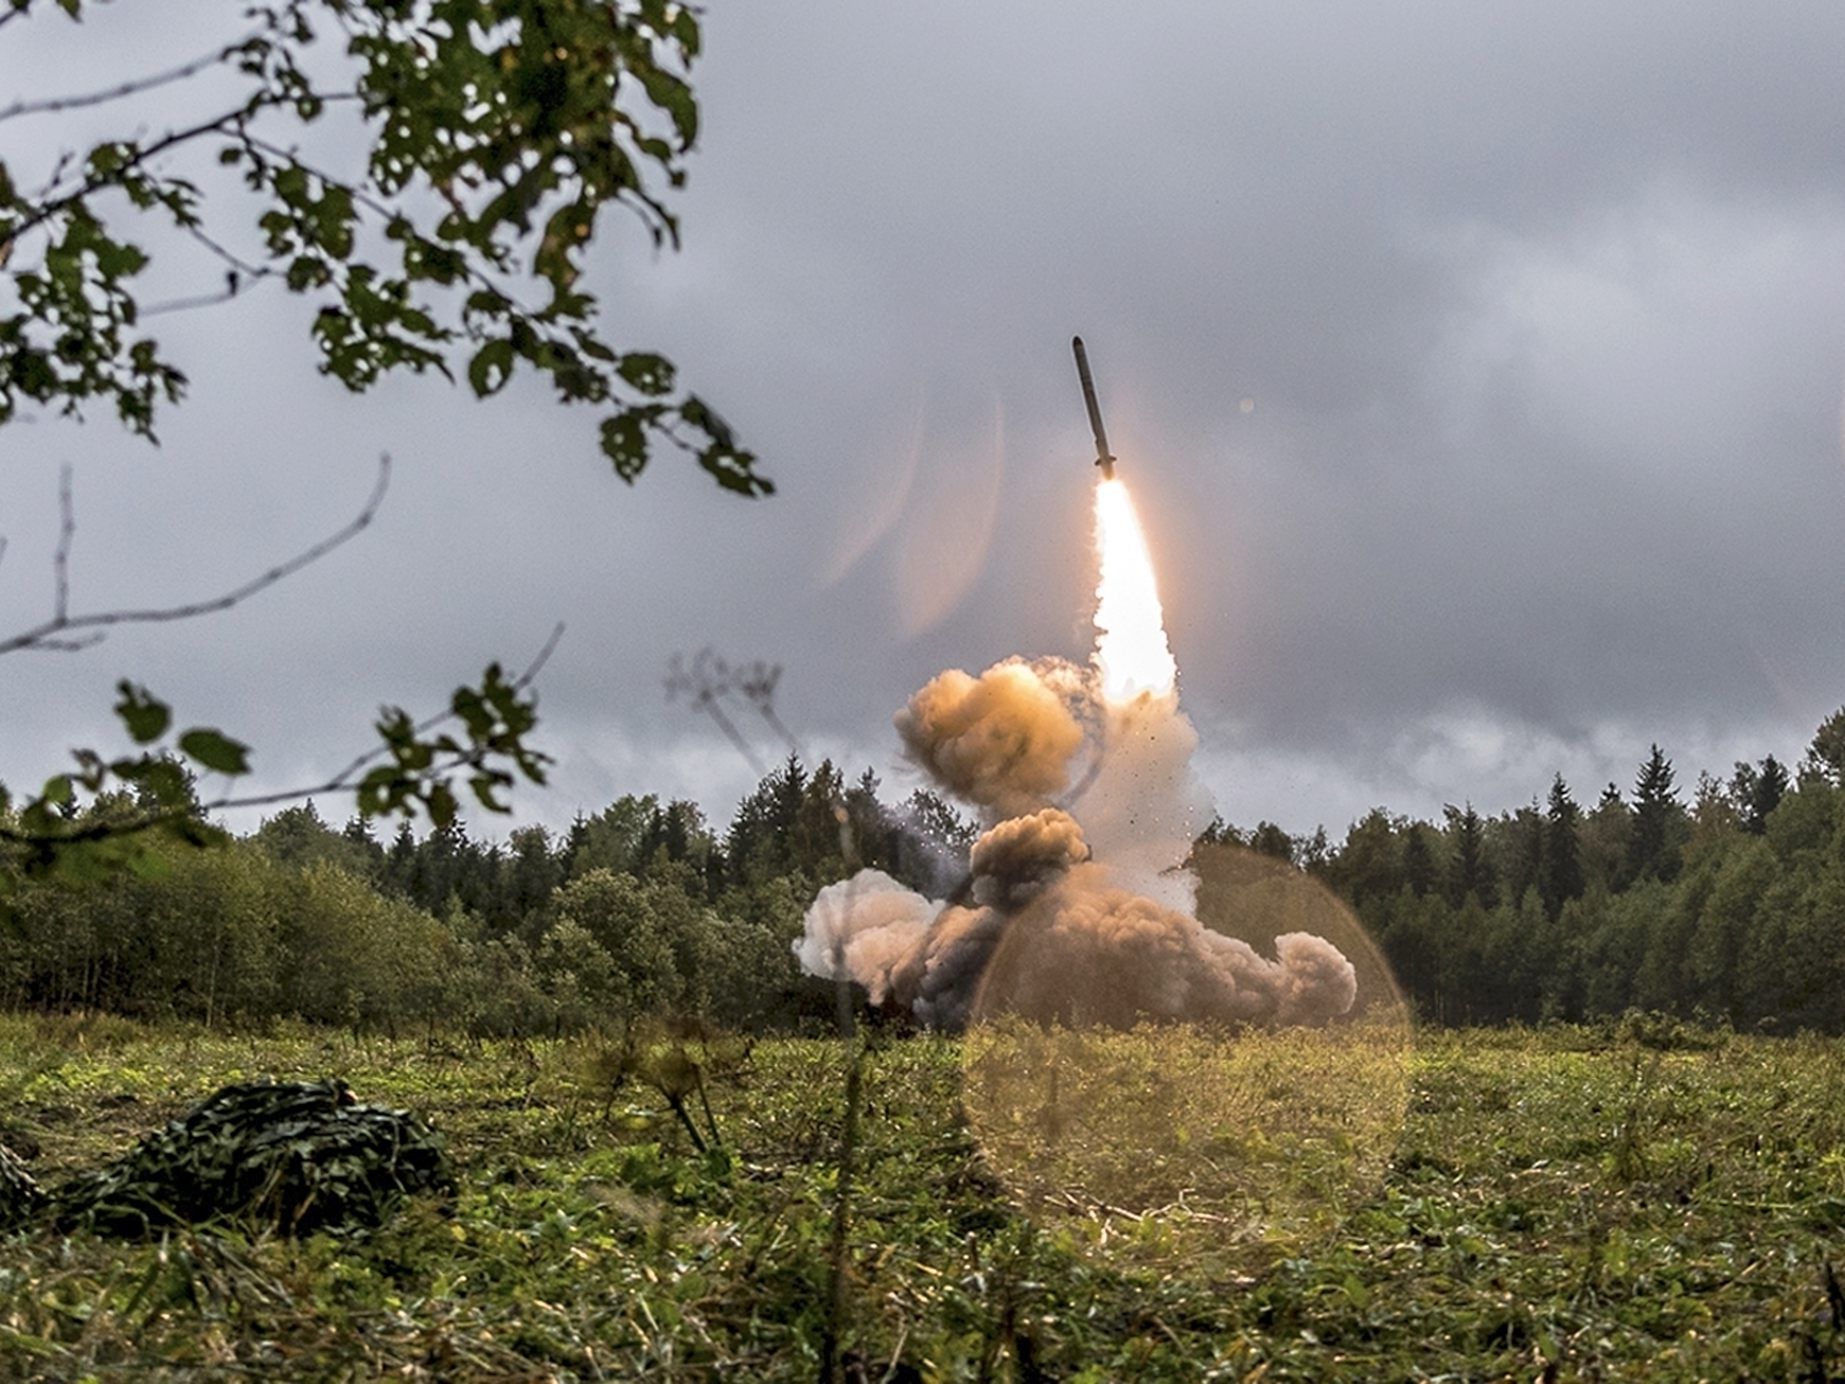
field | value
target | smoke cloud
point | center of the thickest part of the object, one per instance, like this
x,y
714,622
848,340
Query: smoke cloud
x,y
1002,741
1045,927
1018,860
862,928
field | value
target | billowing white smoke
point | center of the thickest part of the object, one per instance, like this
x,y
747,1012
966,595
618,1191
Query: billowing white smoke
x,y
1040,928
861,928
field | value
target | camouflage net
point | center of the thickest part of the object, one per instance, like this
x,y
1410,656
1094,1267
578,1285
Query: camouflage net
x,y
292,1156
20,1196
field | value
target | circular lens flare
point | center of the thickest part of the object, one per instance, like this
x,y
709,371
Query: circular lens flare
x,y
1219,1147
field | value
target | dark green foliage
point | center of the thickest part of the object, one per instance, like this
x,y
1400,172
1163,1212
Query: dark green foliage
x,y
1521,851
1418,860
642,909
1468,875
1760,793
495,138
1658,821
294,1156
1269,839
1826,755
1735,908
930,845
1639,1201
1560,871
1368,867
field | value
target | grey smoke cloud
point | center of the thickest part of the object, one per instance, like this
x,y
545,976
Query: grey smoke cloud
x,y
1019,859
1053,935
1001,741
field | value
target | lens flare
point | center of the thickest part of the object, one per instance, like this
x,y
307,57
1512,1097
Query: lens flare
x,y
1131,652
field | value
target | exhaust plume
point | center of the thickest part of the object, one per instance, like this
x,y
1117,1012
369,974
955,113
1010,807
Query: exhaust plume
x,y
1077,907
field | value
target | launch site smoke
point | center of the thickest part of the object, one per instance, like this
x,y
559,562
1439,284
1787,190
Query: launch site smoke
x,y
1079,907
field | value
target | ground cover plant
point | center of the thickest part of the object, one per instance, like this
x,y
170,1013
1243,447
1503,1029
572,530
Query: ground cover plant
x,y
1566,1202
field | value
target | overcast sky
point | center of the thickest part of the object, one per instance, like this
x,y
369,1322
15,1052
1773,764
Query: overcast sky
x,y
1477,370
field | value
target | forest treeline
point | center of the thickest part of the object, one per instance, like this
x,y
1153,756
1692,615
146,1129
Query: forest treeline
x,y
1725,901
643,908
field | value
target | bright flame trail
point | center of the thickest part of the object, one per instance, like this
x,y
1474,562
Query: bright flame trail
x,y
1131,652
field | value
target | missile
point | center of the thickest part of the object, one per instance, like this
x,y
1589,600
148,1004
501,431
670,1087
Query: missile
x,y
1103,457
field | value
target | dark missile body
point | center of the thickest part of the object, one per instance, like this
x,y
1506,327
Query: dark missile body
x,y
1103,457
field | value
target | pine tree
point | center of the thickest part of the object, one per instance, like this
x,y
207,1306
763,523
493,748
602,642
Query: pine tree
x,y
400,862
1468,871
358,831
531,874
1658,822
1560,877
1524,869
1219,833
1770,786
1826,755
1418,860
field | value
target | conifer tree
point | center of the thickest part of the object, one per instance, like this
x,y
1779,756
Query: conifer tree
x,y
1658,822
1770,786
1560,876
1418,860
1468,872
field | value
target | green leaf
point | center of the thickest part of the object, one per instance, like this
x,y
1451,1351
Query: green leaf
x,y
491,367
442,804
145,715
215,750
624,442
648,373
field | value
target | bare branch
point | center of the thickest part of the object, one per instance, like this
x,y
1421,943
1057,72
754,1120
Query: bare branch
x,y
757,687
60,560
234,287
704,685
230,257
239,277
49,105
44,636
221,124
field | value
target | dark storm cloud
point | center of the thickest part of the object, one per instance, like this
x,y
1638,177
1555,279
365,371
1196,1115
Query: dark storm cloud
x,y
1539,312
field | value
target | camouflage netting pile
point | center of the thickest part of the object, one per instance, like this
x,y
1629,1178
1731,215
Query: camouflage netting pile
x,y
298,1156
20,1196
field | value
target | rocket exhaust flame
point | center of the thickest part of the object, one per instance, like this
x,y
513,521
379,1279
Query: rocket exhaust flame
x,y
1131,652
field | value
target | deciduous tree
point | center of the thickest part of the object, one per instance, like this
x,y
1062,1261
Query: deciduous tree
x,y
473,150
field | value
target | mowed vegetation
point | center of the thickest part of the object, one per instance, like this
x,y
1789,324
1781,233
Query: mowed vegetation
x,y
1572,1202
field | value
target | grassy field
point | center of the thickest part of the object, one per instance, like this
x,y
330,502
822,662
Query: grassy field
x,y
1552,1205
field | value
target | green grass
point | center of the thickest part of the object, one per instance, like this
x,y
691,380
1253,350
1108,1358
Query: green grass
x,y
1559,1204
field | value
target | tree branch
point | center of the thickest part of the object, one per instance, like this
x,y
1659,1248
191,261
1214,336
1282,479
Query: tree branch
x,y
344,781
133,87
97,182
48,634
